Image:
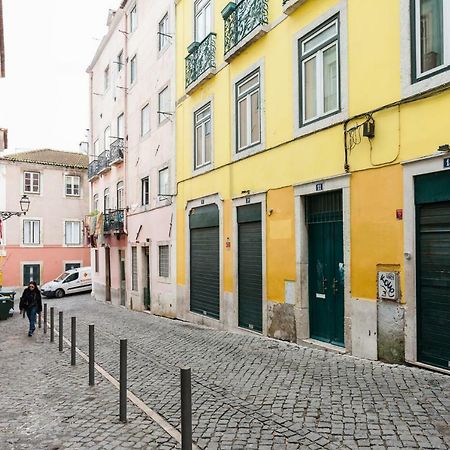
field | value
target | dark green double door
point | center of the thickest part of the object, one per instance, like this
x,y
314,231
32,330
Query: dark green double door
x,y
326,268
31,272
432,197
250,283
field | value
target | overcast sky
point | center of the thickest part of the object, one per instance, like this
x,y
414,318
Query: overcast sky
x,y
49,44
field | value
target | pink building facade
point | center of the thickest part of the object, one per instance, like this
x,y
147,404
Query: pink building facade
x,y
49,239
132,108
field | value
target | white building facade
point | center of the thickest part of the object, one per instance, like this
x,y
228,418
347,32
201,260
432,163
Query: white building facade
x,y
132,158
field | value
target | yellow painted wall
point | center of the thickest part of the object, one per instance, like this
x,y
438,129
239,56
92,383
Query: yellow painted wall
x,y
402,133
376,234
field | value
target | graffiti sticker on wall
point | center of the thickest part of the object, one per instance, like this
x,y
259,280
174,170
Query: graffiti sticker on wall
x,y
388,285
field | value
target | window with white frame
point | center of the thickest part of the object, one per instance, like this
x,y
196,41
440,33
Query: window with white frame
x,y
202,25
319,69
134,269
133,69
31,182
431,30
72,183
248,97
107,138
133,19
120,61
120,195
72,232
202,136
145,191
164,181
96,147
163,105
95,202
106,199
120,126
164,36
145,120
163,259
31,232
106,78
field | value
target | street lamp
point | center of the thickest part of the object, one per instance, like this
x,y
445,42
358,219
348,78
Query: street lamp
x,y
24,207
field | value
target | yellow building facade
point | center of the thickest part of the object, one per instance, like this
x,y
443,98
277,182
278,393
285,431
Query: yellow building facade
x,y
306,131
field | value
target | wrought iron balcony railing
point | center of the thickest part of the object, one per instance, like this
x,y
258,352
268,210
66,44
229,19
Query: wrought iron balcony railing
x,y
241,19
116,151
114,221
103,161
93,169
201,58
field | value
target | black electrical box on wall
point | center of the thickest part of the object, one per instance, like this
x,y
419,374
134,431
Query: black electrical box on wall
x,y
369,129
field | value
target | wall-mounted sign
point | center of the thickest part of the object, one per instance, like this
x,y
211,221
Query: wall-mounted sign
x,y
388,285
446,163
319,187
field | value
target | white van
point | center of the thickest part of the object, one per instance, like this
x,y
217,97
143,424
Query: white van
x,y
69,282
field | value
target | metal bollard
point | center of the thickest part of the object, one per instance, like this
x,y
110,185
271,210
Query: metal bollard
x,y
52,324
186,409
91,355
61,331
45,318
73,344
123,381
39,321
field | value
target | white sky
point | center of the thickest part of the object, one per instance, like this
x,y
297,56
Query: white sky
x,y
44,99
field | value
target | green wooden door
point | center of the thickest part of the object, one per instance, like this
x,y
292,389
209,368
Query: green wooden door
x,y
433,269
204,261
31,272
326,268
250,267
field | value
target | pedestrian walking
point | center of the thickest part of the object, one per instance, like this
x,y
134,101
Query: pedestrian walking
x,y
31,303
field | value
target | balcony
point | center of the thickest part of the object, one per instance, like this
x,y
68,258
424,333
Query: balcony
x,y
93,170
201,61
116,151
114,222
245,22
289,6
103,162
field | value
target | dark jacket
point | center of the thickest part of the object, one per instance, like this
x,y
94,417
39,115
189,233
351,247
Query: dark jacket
x,y
31,298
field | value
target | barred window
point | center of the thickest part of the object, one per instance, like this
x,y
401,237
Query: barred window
x,y
164,261
134,270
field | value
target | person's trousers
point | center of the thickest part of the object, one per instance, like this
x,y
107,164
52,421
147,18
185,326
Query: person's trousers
x,y
31,313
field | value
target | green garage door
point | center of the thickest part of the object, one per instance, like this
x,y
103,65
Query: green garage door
x,y
433,269
250,267
205,264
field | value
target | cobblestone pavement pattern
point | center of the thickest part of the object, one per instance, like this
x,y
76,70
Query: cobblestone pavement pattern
x,y
248,392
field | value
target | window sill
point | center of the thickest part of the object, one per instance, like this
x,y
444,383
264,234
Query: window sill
x,y
203,169
291,5
165,280
426,83
253,150
209,73
257,33
320,123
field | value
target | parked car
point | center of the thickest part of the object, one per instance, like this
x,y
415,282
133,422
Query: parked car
x,y
70,282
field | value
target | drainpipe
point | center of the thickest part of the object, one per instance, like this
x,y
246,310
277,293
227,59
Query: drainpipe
x,y
125,113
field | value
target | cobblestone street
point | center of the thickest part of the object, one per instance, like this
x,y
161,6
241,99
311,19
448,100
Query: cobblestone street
x,y
248,392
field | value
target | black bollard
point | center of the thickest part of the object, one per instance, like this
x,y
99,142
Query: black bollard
x,y
52,324
45,318
39,321
186,409
73,344
91,355
61,331
123,381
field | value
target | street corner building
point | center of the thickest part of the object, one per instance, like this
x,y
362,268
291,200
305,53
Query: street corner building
x,y
49,238
312,171
132,162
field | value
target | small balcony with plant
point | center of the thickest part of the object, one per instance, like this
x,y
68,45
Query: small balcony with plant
x,y
93,170
116,151
114,221
104,162
200,62
244,22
